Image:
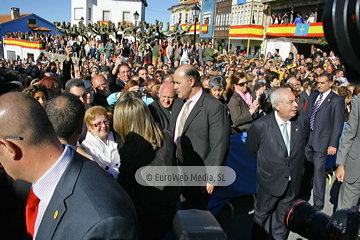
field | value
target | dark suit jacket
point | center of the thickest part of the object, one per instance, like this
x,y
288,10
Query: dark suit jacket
x,y
303,97
206,135
239,112
329,121
90,205
274,166
348,154
160,114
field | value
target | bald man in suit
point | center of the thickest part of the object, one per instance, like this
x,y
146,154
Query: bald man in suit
x,y
72,203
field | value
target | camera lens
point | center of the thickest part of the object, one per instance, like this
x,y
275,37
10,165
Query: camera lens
x,y
305,220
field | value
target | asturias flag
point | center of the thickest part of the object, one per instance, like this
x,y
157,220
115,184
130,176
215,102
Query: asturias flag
x,y
302,29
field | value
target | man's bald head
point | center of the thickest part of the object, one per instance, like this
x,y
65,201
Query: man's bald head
x,y
21,115
167,94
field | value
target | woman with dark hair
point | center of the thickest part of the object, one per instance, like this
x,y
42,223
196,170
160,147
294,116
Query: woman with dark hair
x,y
39,92
144,144
289,60
242,104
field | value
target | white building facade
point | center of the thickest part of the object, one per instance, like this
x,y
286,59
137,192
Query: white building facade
x,y
93,11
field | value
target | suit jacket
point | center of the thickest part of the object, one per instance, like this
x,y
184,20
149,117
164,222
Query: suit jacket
x,y
160,114
303,97
239,112
201,52
274,166
349,146
329,121
90,205
206,136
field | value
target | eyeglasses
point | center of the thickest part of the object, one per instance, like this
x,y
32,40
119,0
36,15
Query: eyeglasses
x,y
291,102
14,138
241,84
157,76
99,124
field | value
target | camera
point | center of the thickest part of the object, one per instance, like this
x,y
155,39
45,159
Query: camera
x,y
305,220
142,90
342,32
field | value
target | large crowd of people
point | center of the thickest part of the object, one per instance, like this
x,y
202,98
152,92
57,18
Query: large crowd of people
x,y
166,103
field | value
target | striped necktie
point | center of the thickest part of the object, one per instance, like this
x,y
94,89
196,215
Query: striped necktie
x,y
314,111
181,125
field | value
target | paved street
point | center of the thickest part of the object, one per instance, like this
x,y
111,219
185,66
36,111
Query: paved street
x,y
239,226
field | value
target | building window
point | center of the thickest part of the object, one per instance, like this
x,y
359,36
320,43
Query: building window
x,y
227,19
217,20
187,17
206,18
180,18
106,16
126,17
89,13
78,13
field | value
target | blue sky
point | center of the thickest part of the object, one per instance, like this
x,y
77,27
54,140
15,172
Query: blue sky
x,y
59,10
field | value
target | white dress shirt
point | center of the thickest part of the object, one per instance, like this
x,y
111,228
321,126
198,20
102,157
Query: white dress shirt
x,y
193,100
44,187
325,94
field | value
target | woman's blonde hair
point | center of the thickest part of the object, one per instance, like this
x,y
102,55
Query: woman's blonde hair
x,y
134,122
92,113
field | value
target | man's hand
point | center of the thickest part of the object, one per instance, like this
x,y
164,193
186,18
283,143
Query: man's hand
x,y
331,151
209,188
119,60
68,53
340,173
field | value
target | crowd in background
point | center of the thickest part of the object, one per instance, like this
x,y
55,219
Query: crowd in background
x,y
142,70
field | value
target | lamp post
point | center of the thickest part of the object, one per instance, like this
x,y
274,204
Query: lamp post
x,y
195,13
136,17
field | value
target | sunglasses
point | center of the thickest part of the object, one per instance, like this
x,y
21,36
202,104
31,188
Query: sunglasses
x,y
241,84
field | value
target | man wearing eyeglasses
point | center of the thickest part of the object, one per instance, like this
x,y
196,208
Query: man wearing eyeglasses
x,y
277,141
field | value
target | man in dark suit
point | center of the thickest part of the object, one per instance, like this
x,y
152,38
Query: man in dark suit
x,y
325,110
277,141
201,128
161,108
348,160
68,202
304,95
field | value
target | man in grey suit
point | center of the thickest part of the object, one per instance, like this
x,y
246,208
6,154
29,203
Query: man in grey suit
x,y
204,138
348,160
277,141
325,110
75,198
201,52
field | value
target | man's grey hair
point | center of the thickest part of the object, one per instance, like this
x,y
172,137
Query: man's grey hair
x,y
276,96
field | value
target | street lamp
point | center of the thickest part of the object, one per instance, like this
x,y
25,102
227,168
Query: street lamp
x,y
195,13
136,17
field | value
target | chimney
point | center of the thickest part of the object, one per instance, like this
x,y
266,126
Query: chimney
x,y
15,12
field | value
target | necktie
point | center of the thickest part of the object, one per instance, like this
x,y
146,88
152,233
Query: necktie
x,y
286,138
314,111
31,212
182,121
